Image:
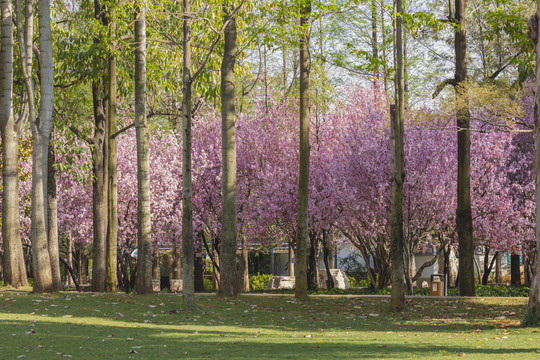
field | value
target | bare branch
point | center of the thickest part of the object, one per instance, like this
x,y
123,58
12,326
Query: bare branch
x,y
442,85
113,136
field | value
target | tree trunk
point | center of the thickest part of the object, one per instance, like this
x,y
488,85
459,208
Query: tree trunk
x,y
144,243
198,276
488,266
99,188
312,268
177,260
515,270
100,169
41,128
52,218
111,251
216,281
80,264
533,309
374,42
408,265
188,291
245,266
527,278
155,267
463,212
383,35
326,258
498,269
229,276
13,260
69,255
303,179
397,239
291,259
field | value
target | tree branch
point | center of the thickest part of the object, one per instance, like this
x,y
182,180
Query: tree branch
x,y
428,263
80,135
113,136
442,85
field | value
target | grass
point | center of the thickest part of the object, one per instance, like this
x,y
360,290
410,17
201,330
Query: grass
x,y
120,326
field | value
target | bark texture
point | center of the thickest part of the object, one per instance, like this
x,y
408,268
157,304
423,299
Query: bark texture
x,y
397,300
41,128
229,274
188,291
463,212
100,99
144,261
52,218
397,239
112,183
14,269
533,309
301,282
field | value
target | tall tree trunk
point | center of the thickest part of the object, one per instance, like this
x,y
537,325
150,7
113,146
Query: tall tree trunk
x,y
112,181
100,169
229,276
144,243
533,309
188,291
41,128
463,212
303,179
52,218
397,239
99,188
13,260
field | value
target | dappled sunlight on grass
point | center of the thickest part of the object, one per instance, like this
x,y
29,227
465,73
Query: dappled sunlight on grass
x,y
85,325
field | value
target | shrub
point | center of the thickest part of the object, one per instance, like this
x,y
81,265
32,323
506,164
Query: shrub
x,y
353,282
207,283
259,282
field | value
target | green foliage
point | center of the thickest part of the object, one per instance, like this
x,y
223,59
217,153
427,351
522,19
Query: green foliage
x,y
481,291
207,283
353,282
259,282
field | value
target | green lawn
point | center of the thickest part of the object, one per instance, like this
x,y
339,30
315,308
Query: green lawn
x,y
119,326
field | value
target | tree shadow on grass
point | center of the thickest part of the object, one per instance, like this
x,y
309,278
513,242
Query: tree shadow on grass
x,y
51,338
